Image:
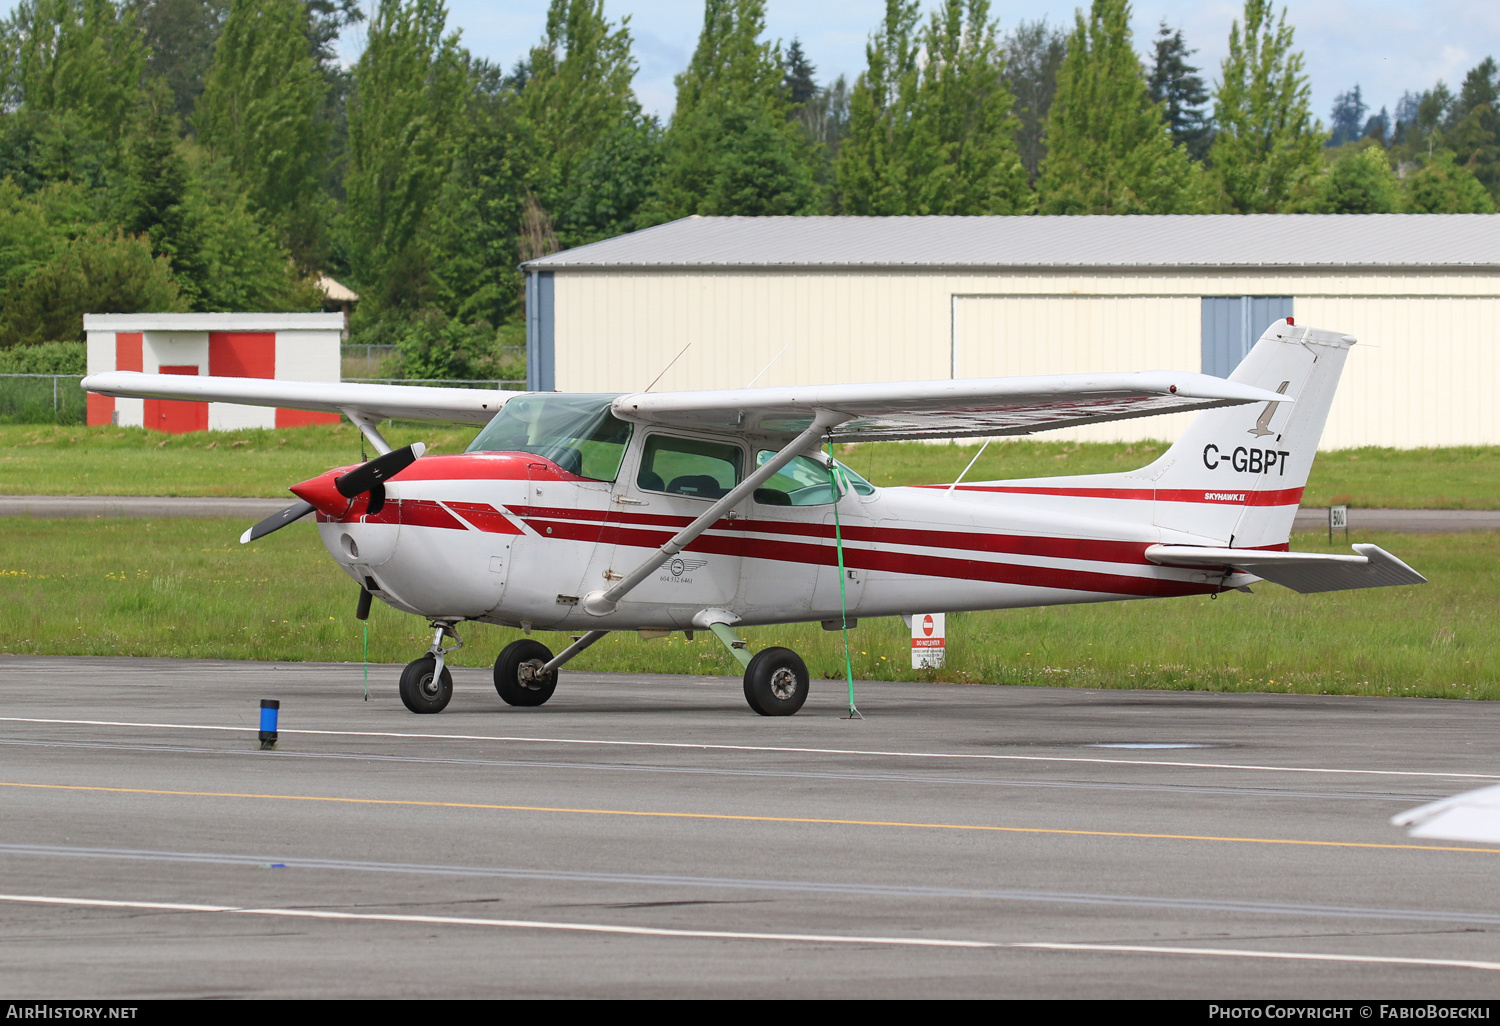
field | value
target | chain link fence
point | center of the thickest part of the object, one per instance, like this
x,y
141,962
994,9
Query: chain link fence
x,y
42,399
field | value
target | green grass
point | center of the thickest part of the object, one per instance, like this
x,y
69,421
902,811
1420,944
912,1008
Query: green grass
x,y
186,588
63,460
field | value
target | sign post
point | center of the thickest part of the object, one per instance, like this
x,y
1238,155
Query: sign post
x,y
928,641
1338,519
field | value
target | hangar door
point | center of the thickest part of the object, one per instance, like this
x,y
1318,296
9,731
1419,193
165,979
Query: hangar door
x,y
1000,336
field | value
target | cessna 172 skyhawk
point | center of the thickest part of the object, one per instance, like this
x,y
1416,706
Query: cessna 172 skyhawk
x,y
671,511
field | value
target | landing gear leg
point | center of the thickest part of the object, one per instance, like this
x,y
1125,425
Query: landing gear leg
x,y
426,684
776,680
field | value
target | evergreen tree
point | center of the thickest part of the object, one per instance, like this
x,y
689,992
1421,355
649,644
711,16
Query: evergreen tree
x,y
180,35
476,222
1177,86
1347,117
1267,141
1442,186
1033,54
797,75
260,111
1109,149
409,91
152,193
731,147
82,59
1359,181
891,150
578,90
1475,132
939,136
964,97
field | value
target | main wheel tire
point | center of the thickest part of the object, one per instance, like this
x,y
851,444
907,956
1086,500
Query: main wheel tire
x,y
418,690
776,682
508,682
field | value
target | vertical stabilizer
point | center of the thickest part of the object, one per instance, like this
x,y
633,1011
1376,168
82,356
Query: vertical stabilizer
x,y
1237,474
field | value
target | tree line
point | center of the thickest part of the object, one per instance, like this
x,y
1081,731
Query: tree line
x,y
215,155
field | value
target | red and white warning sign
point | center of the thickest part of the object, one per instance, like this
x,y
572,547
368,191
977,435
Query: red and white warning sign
x,y
928,641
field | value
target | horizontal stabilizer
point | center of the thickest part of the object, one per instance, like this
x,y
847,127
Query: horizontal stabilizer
x,y
1305,572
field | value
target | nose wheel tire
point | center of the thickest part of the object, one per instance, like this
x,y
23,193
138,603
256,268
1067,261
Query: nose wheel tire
x,y
517,673
776,682
420,692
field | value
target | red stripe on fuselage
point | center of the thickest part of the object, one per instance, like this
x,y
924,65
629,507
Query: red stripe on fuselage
x,y
1024,545
921,565
484,517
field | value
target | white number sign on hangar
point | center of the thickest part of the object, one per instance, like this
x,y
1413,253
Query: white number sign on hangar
x,y
850,299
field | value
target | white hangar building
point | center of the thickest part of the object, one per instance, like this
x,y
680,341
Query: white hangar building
x,y
846,299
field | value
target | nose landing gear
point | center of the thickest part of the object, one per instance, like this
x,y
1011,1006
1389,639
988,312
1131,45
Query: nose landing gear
x,y
426,684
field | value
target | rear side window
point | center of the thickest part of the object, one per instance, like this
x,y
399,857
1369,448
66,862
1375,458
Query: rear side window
x,y
689,466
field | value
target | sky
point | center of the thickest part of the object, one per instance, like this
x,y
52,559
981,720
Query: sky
x,y
1386,46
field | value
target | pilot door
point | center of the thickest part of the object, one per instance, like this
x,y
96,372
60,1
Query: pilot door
x,y
674,481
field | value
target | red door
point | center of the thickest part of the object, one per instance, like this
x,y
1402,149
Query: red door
x,y
176,416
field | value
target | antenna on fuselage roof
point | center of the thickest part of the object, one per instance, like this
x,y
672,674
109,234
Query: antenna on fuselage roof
x,y
668,367
768,366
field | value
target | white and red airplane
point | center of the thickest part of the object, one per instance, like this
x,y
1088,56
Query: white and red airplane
x,y
660,512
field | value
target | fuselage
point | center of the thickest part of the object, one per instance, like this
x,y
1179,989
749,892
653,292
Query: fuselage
x,y
513,538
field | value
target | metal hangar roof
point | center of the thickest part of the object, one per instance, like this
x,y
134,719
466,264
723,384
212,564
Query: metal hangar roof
x,y
1121,241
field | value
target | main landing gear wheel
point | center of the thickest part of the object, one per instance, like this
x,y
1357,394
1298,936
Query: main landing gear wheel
x,y
420,692
776,682
518,676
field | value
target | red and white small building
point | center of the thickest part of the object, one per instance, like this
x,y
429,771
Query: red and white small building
x,y
297,346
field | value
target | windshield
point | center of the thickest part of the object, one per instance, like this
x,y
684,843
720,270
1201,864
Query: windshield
x,y
577,432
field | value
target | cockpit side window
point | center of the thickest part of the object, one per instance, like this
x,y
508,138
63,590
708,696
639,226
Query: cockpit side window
x,y
577,432
802,482
689,466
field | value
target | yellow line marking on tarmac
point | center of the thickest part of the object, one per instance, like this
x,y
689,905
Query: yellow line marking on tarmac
x,y
744,818
773,748
804,938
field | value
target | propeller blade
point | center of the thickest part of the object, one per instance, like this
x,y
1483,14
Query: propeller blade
x,y
363,612
377,500
276,521
382,468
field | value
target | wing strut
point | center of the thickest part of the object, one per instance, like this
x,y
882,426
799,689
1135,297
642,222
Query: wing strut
x,y
368,428
602,603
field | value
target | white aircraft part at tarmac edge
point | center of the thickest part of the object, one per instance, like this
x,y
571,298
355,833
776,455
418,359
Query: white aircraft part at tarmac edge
x,y
1471,816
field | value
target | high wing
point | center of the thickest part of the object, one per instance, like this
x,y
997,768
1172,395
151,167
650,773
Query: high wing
x,y
1304,572
375,402
955,408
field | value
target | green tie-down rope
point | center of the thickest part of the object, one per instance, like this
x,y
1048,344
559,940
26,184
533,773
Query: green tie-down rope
x,y
367,659
840,484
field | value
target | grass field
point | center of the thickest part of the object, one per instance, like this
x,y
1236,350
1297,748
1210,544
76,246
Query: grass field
x,y
187,588
57,460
